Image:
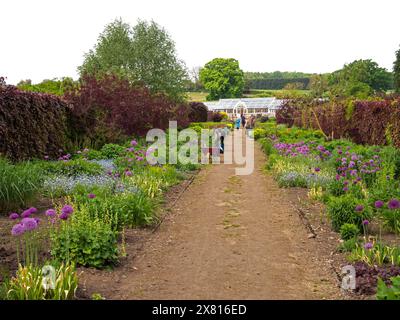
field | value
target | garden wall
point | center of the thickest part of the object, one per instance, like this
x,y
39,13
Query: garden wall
x,y
374,122
32,125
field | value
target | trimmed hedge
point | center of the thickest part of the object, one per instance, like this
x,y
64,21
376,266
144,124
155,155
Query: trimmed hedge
x,y
32,125
373,122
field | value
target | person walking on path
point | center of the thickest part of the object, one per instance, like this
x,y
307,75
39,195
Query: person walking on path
x,y
237,122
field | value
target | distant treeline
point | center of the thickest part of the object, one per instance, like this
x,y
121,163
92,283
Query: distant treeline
x,y
276,80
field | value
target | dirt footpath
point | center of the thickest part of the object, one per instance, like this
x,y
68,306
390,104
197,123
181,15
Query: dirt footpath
x,y
229,237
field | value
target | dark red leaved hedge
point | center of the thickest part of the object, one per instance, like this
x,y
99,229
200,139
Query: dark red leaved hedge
x,y
374,122
32,125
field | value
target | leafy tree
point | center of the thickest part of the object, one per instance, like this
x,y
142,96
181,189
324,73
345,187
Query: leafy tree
x,y
155,60
222,78
112,53
353,74
396,72
144,53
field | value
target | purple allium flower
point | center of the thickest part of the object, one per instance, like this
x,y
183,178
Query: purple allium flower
x,y
128,173
365,222
17,229
134,143
141,159
67,209
50,213
317,169
394,204
63,216
354,157
368,246
131,149
352,164
345,189
359,208
379,204
345,183
32,210
29,223
337,177
14,216
91,196
37,220
26,214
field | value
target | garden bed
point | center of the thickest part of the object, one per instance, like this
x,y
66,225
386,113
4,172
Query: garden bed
x,y
348,197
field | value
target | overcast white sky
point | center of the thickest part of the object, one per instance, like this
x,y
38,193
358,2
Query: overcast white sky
x,y
44,39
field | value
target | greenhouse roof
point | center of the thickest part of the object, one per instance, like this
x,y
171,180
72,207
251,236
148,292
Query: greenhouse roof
x,y
271,103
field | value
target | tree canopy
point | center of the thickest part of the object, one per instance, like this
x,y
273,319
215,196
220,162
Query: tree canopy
x,y
143,53
222,78
360,78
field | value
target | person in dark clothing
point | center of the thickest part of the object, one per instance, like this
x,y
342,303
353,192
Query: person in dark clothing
x,y
243,118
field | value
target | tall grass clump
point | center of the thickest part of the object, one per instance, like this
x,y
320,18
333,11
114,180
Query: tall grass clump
x,y
19,184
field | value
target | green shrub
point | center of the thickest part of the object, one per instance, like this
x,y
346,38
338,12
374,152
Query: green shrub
x,y
18,184
348,245
28,284
71,168
85,240
112,151
130,207
341,210
266,145
391,292
349,231
94,155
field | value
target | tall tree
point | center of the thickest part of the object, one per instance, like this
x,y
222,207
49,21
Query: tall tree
x,y
366,72
155,60
396,72
144,53
223,78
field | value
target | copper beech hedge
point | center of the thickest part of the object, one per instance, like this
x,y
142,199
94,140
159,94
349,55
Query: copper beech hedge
x,y
99,111
32,125
373,122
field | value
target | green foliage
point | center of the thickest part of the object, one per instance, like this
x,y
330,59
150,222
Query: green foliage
x,y
341,210
360,78
19,184
55,86
93,154
117,210
349,231
396,72
28,284
85,240
71,167
222,78
391,292
144,53
112,151
379,254
348,245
